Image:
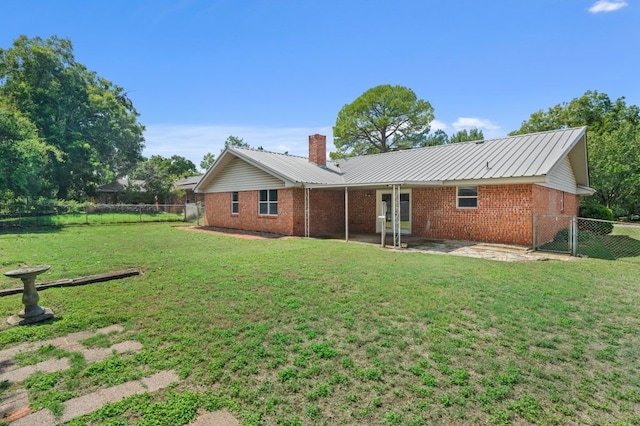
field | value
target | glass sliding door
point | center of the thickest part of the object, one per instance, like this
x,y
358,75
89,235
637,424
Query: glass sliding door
x,y
384,198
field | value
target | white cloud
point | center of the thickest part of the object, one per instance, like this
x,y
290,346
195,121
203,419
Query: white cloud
x,y
489,129
607,6
471,122
438,125
193,142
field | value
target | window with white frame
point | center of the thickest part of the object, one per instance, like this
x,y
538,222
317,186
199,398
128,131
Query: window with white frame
x,y
268,202
235,205
467,197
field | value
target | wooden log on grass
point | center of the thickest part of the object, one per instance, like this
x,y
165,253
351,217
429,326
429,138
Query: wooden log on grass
x,y
70,282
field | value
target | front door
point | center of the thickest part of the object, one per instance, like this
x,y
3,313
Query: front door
x,y
384,198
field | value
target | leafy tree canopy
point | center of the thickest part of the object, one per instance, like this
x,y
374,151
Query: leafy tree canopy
x,y
593,109
465,135
89,121
236,142
613,138
160,173
384,118
439,137
207,161
23,154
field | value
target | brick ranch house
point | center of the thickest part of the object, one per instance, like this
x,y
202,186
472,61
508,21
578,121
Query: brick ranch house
x,y
485,191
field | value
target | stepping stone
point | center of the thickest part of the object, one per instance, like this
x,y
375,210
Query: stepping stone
x,y
215,418
160,380
89,403
42,417
14,402
48,366
59,342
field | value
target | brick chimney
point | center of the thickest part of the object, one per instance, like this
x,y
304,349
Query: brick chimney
x,y
318,149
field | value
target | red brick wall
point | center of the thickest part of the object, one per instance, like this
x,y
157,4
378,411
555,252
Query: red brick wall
x,y
555,203
504,213
218,212
552,201
326,210
362,211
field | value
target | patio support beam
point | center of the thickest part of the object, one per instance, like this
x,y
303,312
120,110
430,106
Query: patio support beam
x,y
346,214
395,213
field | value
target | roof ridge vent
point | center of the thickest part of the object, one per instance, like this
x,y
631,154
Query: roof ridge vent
x,y
479,142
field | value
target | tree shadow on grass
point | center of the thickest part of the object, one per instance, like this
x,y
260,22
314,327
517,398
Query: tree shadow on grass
x,y
21,230
610,247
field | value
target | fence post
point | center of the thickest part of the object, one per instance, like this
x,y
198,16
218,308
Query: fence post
x,y
140,213
574,236
86,214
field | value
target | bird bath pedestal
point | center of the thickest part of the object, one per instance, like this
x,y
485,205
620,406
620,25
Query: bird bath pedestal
x,y
32,312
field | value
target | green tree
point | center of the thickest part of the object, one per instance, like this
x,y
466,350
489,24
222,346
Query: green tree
x,y
207,161
236,142
160,173
593,109
384,118
23,155
613,138
614,165
465,135
89,121
439,137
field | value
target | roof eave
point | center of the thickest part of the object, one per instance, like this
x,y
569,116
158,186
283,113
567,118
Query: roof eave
x,y
585,190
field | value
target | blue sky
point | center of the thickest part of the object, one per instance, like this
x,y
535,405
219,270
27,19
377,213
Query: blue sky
x,y
275,71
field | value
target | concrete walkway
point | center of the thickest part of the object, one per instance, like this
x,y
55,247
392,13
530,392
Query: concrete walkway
x,y
14,408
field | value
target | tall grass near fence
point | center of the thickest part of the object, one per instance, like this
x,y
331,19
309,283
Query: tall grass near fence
x,y
62,214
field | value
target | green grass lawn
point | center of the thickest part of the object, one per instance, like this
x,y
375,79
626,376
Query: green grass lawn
x,y
295,331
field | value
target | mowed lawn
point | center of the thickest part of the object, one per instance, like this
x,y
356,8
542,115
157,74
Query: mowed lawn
x,y
302,331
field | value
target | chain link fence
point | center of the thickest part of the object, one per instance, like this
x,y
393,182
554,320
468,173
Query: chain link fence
x,y
584,237
14,216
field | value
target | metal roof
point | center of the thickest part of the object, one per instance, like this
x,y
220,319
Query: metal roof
x,y
523,156
292,168
531,155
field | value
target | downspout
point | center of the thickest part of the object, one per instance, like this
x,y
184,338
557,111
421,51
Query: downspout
x,y
346,214
306,213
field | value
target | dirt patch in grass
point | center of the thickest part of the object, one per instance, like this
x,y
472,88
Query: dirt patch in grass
x,y
236,233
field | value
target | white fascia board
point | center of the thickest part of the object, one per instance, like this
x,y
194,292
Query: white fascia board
x,y
585,190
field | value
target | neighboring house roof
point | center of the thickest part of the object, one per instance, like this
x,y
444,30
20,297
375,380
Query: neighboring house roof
x,y
535,158
188,183
121,185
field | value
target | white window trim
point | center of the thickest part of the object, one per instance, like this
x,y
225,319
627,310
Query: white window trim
x,y
458,197
268,202
236,203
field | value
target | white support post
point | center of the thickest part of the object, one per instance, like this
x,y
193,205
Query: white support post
x,y
395,214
